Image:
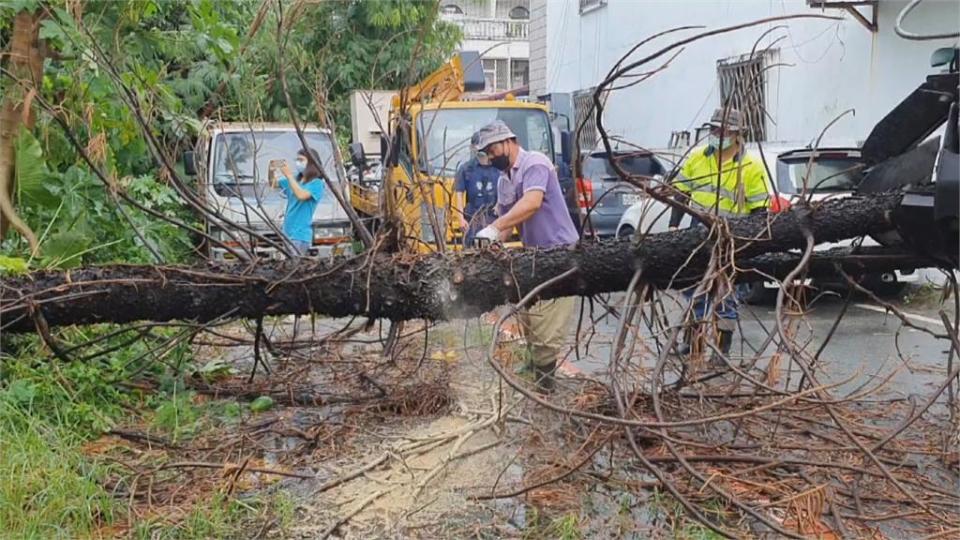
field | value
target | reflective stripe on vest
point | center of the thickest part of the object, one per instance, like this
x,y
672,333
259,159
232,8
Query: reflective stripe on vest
x,y
720,211
730,196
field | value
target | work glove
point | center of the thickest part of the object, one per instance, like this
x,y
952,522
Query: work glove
x,y
488,234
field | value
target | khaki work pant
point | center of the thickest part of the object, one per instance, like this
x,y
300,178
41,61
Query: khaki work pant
x,y
545,328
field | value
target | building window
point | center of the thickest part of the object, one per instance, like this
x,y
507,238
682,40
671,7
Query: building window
x,y
519,12
503,74
495,71
590,5
742,82
451,9
585,115
489,74
519,73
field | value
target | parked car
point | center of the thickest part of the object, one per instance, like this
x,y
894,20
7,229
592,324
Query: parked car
x,y
568,188
832,172
602,196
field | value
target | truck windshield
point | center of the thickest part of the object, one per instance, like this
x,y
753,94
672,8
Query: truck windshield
x,y
241,160
825,174
444,135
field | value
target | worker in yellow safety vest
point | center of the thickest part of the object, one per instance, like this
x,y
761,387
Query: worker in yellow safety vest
x,y
720,179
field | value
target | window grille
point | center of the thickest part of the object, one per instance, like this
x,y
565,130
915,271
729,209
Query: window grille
x,y
743,87
590,5
519,73
586,116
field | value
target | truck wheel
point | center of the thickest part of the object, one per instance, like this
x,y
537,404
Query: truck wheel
x,y
891,289
625,233
758,295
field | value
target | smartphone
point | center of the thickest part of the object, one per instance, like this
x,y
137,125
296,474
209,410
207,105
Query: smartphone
x,y
275,170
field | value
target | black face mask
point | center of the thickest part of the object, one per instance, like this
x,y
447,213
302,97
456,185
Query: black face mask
x,y
501,162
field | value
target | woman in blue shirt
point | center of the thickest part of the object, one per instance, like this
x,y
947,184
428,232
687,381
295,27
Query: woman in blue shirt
x,y
303,191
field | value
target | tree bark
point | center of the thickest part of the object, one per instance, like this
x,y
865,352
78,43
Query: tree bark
x,y
25,63
438,287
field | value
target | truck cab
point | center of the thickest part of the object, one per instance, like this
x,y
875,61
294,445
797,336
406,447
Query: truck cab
x,y
231,164
430,127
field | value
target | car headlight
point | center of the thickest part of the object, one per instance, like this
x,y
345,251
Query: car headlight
x,y
331,234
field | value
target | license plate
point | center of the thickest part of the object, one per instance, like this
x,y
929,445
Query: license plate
x,y
630,198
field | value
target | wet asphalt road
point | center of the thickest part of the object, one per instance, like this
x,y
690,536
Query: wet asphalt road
x,y
868,344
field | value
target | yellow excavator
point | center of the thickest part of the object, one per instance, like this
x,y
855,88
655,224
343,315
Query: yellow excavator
x,y
429,130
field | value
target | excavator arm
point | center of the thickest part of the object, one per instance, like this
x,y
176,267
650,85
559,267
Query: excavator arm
x,y
463,73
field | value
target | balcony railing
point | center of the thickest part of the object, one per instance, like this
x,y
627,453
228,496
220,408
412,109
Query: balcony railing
x,y
491,29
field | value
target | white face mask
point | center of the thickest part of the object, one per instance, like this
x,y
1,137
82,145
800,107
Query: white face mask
x,y
714,141
300,166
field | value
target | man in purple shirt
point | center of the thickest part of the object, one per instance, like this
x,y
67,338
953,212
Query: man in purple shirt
x,y
529,197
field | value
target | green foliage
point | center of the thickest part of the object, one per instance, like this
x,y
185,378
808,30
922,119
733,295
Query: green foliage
x,y
50,409
178,416
13,265
343,46
172,58
31,171
924,294
223,518
662,506
261,404
72,396
567,527
564,527
83,395
80,221
47,489
9,8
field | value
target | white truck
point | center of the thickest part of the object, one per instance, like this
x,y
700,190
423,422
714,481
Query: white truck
x,y
231,162
369,118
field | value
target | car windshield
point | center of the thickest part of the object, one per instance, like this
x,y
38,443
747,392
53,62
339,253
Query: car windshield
x,y
598,166
826,174
445,134
241,160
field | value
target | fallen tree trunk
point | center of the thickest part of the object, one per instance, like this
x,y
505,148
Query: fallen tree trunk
x,y
436,286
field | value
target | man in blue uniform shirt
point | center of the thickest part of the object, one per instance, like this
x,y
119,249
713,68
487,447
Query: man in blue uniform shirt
x,y
477,181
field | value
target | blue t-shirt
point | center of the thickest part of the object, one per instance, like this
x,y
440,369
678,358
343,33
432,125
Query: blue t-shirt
x,y
298,220
480,185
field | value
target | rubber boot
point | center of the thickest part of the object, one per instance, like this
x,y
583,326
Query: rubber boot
x,y
725,341
545,378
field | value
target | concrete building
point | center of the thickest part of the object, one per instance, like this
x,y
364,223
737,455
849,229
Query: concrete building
x,y
499,31
811,72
